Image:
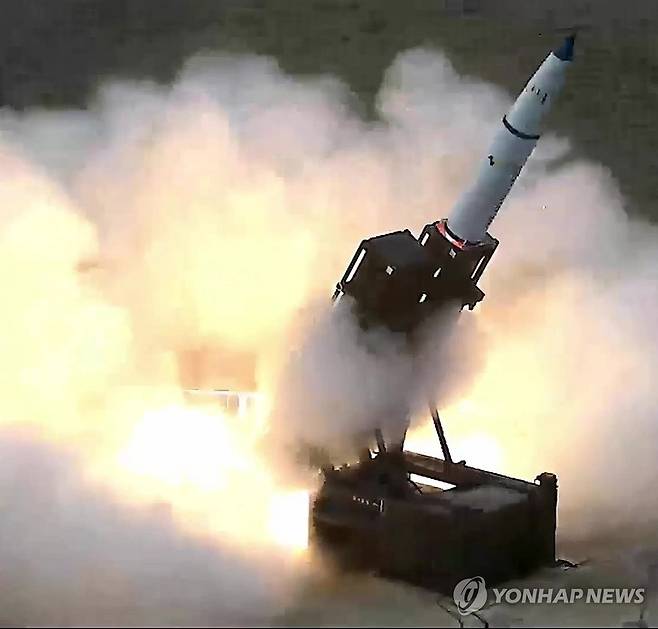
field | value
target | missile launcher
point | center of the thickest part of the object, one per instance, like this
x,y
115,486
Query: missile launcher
x,y
427,520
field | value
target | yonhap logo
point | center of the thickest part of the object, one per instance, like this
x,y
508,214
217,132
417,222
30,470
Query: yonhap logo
x,y
470,595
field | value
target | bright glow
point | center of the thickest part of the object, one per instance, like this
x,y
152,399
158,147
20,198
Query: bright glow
x,y
211,469
180,447
423,480
480,450
288,523
476,447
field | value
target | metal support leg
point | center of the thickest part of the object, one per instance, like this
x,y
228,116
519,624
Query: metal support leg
x,y
381,445
400,444
439,431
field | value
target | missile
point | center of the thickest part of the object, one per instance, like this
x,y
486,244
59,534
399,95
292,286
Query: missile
x,y
396,280
512,145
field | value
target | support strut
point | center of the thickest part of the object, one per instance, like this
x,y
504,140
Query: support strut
x,y
440,433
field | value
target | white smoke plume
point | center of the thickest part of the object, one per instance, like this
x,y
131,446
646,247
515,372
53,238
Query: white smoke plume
x,y
340,382
187,233
72,556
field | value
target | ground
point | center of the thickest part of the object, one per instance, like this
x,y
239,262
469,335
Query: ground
x,y
362,600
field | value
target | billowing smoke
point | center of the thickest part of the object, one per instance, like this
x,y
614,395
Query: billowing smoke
x,y
71,556
340,382
192,235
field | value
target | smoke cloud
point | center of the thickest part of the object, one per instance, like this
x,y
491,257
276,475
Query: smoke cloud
x,y
191,235
339,382
72,556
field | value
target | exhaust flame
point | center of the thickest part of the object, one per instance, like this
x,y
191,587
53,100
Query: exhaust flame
x,y
288,521
207,465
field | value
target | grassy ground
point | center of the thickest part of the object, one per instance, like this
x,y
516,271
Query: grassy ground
x,y
54,52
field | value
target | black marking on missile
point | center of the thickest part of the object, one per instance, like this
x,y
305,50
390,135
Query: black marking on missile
x,y
517,133
491,160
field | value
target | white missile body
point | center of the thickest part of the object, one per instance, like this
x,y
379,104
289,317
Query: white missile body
x,y
511,147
